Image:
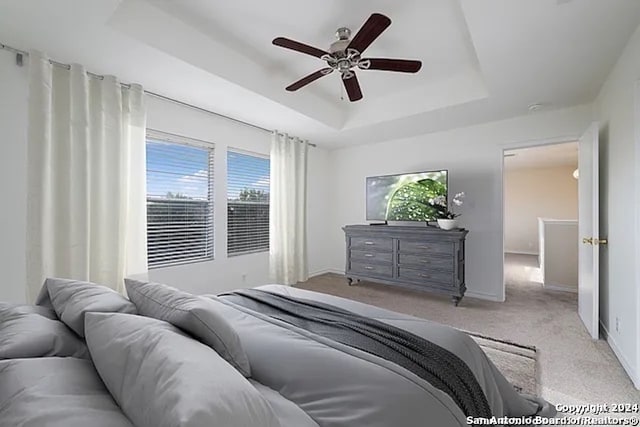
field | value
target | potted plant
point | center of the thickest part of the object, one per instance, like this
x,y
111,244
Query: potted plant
x,y
447,219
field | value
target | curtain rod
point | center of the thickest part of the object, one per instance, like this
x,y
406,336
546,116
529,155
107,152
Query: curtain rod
x,y
19,58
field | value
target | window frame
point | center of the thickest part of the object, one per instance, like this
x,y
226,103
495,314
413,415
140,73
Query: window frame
x,y
171,138
267,157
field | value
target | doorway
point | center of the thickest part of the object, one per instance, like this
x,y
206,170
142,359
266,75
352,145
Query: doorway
x,y
586,238
541,219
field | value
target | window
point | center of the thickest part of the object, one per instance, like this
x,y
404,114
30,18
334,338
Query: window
x,y
247,203
179,200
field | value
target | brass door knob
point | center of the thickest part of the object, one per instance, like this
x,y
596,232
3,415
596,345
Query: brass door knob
x,y
600,241
587,240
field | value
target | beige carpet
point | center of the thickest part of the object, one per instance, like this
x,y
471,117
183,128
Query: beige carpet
x,y
516,362
573,368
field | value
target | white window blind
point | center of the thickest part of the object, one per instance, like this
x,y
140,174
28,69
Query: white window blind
x,y
179,200
247,203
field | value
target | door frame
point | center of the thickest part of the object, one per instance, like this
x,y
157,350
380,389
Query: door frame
x,y
636,124
515,146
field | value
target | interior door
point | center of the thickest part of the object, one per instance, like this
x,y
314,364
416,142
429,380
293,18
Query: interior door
x,y
588,217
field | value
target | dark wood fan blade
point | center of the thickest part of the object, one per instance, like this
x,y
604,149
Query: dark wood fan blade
x,y
398,65
299,47
308,79
353,88
372,28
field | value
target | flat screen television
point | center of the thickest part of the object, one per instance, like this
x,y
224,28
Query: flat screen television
x,y
406,197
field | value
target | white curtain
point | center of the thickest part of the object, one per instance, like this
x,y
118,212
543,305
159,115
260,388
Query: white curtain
x,y
288,210
86,200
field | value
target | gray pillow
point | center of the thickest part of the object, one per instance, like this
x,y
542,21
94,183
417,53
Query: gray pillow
x,y
36,309
31,331
198,316
71,299
162,377
55,392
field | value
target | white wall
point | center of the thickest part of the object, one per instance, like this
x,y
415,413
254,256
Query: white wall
x,y
218,275
559,254
13,186
534,193
619,280
473,156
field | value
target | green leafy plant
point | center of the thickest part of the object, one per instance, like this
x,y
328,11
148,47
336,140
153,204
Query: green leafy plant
x,y
413,201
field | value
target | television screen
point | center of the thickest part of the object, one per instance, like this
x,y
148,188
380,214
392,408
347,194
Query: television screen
x,y
405,197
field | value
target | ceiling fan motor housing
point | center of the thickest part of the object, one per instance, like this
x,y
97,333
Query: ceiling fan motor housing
x,y
342,58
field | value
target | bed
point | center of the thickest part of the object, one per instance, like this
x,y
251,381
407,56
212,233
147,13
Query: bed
x,y
273,356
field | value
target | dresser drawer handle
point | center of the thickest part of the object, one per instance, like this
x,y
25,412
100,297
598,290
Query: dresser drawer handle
x,y
368,243
368,268
368,255
426,276
424,247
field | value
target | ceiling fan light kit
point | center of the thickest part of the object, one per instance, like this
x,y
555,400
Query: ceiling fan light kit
x,y
345,56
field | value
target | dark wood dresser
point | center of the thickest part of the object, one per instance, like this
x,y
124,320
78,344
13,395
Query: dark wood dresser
x,y
422,258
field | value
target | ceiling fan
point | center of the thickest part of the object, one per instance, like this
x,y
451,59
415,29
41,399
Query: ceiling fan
x,y
345,55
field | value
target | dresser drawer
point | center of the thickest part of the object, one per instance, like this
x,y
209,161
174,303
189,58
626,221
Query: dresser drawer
x,y
425,261
423,277
372,270
371,257
372,243
416,247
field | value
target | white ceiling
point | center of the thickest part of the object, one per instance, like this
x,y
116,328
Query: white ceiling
x,y
482,59
546,156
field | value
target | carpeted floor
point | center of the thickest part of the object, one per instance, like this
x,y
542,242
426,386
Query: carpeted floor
x,y
573,368
517,363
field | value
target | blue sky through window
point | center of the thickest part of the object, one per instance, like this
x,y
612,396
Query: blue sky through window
x,y
246,171
177,169
183,170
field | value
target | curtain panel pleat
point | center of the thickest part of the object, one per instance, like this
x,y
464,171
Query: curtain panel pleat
x,y
288,210
86,212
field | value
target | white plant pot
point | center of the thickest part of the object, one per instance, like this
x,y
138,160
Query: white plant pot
x,y
447,224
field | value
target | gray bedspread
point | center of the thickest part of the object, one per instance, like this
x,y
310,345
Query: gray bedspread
x,y
432,363
338,385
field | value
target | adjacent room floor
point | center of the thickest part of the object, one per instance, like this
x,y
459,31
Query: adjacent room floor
x,y
572,367
524,271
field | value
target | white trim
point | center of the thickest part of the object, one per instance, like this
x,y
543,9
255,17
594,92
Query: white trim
x,y
514,146
325,271
637,163
561,287
507,251
484,296
633,375
162,136
232,149
559,221
507,146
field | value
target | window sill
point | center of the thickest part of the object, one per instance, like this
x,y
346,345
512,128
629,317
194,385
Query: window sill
x,y
179,263
251,252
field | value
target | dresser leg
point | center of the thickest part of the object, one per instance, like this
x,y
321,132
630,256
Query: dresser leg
x,y
455,300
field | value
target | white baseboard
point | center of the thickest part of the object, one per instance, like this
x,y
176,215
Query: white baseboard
x,y
521,252
635,378
325,271
482,295
561,287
